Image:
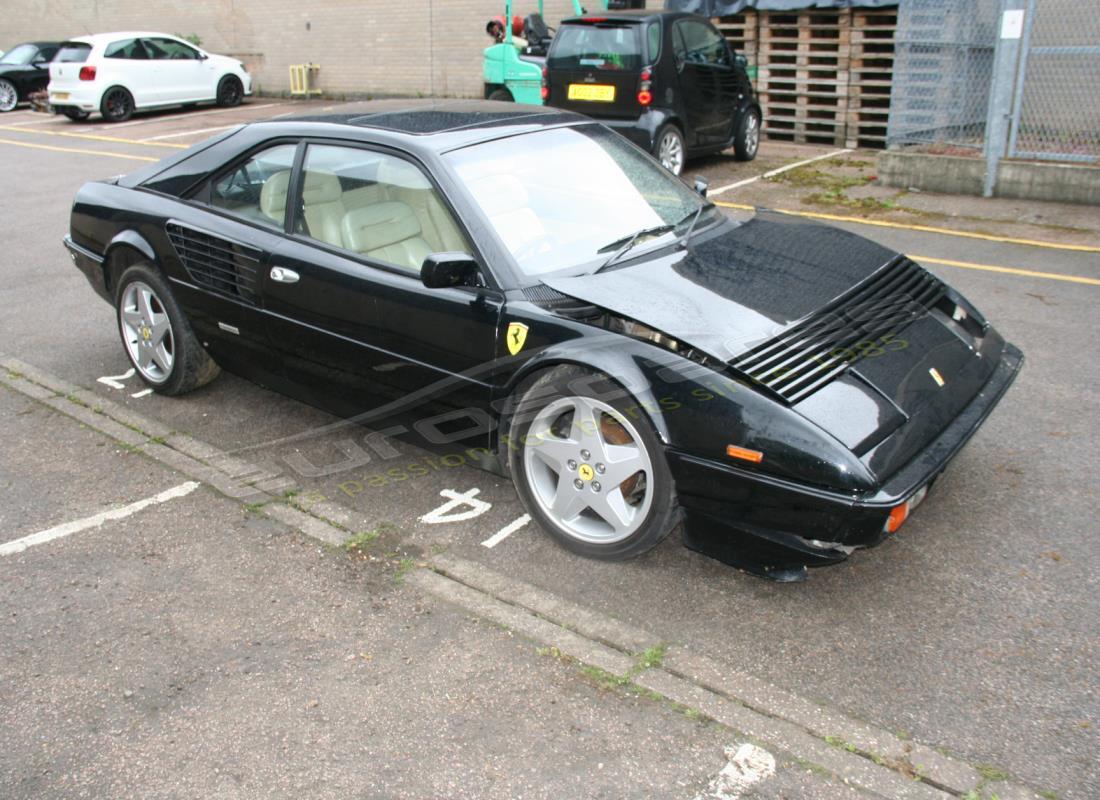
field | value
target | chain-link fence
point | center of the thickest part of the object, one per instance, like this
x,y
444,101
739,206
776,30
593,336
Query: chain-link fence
x,y
963,65
943,68
1056,114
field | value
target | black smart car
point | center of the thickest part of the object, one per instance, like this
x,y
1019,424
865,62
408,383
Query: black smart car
x,y
24,70
666,80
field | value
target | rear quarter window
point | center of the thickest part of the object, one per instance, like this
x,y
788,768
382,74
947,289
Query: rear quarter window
x,y
73,52
653,34
605,47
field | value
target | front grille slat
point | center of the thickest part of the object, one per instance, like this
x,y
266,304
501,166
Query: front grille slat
x,y
817,349
223,266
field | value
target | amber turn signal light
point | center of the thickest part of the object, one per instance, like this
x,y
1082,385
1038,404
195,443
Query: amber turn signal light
x,y
898,515
744,453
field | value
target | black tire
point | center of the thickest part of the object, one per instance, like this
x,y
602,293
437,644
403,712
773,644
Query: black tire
x,y
117,105
191,366
655,517
502,95
230,92
746,142
669,149
75,114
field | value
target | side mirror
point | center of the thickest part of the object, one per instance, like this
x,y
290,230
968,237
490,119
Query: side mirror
x,y
441,270
701,185
203,56
741,61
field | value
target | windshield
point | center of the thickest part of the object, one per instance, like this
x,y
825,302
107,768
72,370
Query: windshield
x,y
22,54
558,197
600,47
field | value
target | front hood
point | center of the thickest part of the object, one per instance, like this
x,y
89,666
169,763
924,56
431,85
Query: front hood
x,y
854,337
739,288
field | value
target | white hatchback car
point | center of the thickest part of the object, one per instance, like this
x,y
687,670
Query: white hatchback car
x,y
119,73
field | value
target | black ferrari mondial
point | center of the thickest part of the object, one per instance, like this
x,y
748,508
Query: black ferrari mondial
x,y
531,282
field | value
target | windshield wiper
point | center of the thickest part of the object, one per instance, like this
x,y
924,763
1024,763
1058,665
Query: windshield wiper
x,y
686,238
624,244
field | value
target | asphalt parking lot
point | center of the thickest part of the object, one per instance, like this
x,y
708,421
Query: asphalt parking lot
x,y
973,633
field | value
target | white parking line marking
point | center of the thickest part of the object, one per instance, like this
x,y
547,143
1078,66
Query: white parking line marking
x,y
778,171
187,133
748,765
113,380
447,512
114,126
142,393
32,121
506,531
19,545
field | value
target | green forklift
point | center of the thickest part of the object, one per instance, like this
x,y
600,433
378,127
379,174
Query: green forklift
x,y
513,73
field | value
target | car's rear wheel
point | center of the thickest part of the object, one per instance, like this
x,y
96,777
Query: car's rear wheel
x,y
588,466
75,114
117,105
503,95
9,97
747,140
669,149
157,336
230,92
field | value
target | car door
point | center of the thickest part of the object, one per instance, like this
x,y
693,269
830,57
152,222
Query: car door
x,y
344,295
181,73
126,63
38,76
708,81
224,237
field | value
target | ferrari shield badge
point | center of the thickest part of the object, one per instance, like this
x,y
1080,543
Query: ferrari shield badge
x,y
516,336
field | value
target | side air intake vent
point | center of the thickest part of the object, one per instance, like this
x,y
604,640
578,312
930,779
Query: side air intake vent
x,y
220,265
812,352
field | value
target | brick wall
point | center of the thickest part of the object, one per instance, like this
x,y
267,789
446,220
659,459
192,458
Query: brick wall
x,y
410,47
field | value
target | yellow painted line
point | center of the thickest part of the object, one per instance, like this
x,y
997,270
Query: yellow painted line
x,y
77,150
1081,248
93,136
1051,276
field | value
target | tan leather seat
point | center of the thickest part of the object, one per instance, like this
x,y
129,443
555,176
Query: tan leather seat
x,y
324,211
273,196
406,184
388,232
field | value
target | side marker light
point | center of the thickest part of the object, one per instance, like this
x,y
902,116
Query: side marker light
x,y
744,453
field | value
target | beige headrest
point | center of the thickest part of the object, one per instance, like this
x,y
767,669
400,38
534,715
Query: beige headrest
x,y
378,225
320,187
273,195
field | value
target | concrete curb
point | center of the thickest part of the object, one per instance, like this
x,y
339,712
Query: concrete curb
x,y
867,757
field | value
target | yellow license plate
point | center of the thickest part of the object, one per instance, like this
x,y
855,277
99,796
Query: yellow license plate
x,y
60,95
591,91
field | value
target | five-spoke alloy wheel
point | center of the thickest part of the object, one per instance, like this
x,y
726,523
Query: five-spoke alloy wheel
x,y
589,470
157,337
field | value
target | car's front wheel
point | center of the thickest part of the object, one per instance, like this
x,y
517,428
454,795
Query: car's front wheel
x,y
588,466
9,97
117,105
157,336
501,95
747,140
670,150
230,92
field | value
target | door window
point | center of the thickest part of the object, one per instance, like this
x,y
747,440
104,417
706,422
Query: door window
x,y
376,205
701,44
170,49
256,190
126,48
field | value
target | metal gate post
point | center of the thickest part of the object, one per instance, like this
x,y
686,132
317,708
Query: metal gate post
x,y
1005,59
1021,78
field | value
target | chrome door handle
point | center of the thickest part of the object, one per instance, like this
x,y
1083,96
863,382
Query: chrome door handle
x,y
284,275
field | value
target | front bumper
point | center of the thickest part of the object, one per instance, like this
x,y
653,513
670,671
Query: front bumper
x,y
773,526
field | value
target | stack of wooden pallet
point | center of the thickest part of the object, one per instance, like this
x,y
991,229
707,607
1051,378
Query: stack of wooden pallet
x,y
824,74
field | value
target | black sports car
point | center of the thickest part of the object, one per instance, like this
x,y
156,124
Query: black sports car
x,y
628,354
24,70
